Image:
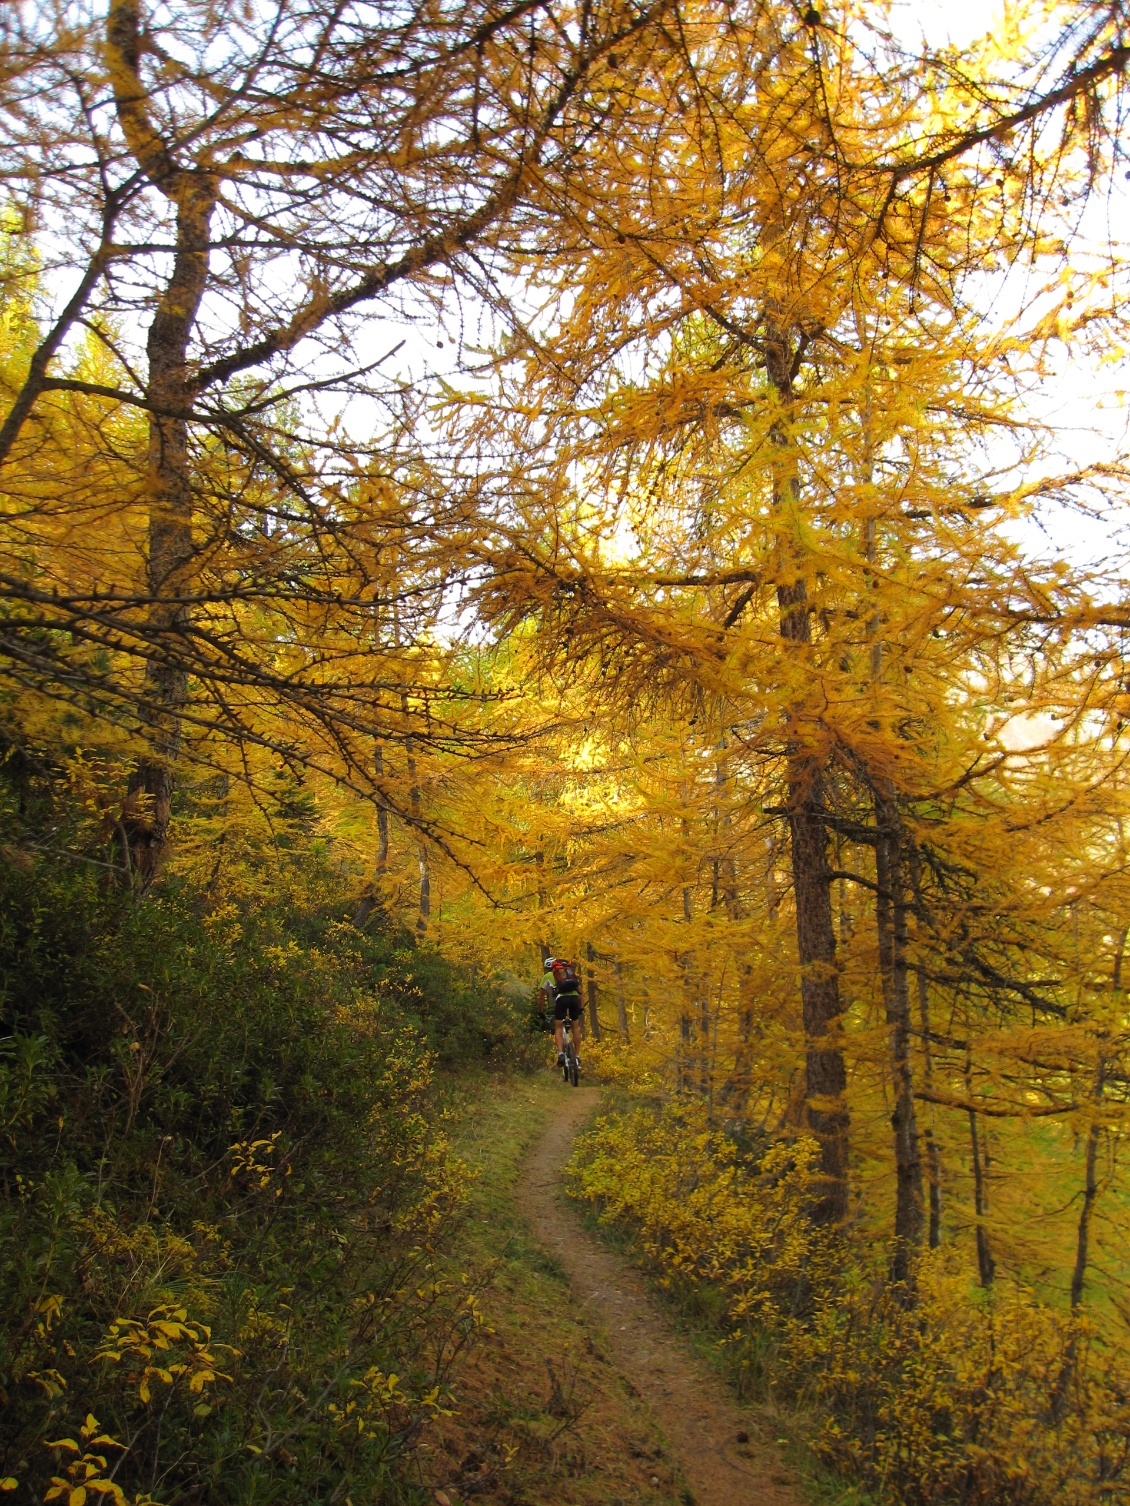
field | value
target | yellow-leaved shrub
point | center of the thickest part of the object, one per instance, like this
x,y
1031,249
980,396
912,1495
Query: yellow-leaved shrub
x,y
944,1394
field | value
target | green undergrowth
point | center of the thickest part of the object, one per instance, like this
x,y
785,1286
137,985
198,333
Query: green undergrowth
x,y
258,1236
228,1206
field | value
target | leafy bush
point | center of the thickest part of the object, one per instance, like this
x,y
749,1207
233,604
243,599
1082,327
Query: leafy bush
x,y
223,1198
961,1396
702,1212
989,1400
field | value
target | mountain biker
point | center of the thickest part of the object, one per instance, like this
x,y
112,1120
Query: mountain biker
x,y
565,983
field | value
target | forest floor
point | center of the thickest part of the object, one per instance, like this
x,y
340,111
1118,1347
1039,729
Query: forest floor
x,y
581,1393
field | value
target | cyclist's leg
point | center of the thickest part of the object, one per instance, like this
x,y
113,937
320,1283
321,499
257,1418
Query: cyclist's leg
x,y
575,1028
559,1033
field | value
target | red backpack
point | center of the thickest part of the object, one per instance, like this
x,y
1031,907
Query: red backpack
x,y
564,974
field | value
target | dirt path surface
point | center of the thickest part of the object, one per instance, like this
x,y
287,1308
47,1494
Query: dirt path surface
x,y
700,1418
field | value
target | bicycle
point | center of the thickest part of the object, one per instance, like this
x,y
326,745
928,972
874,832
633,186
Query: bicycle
x,y
570,1067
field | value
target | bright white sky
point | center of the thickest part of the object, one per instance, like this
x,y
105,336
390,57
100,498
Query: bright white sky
x,y
940,21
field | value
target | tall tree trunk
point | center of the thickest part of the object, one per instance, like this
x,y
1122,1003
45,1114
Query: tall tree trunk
x,y
772,895
821,1010
986,1267
621,1004
192,193
682,1071
736,1089
690,1066
424,862
890,920
382,828
148,803
590,982
890,910
539,864
371,899
826,1077
424,909
1090,1192
1091,1155
847,925
933,1155
723,891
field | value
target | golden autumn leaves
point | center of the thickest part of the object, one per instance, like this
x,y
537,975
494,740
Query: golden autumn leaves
x,y
683,627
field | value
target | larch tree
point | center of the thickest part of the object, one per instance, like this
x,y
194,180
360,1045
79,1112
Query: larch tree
x,y
728,490
227,196
770,375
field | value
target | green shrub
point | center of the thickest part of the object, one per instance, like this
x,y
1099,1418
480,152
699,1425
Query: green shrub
x,y
223,1199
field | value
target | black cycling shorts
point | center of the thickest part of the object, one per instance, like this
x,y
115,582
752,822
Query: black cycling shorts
x,y
567,1006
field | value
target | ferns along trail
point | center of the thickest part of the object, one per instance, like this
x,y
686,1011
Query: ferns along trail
x,y
638,486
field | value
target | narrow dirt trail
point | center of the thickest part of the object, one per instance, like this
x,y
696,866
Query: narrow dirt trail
x,y
701,1420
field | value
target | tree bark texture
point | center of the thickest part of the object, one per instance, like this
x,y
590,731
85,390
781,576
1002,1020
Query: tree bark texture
x,y
1090,1193
933,1155
826,1077
890,914
169,498
192,192
683,1074
372,898
621,1004
694,1024
986,1266
422,858
736,1089
826,1115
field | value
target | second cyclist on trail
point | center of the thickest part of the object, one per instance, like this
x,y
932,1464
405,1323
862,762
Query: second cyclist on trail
x,y
562,978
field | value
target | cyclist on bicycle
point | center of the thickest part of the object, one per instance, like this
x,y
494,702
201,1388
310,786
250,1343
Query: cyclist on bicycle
x,y
563,982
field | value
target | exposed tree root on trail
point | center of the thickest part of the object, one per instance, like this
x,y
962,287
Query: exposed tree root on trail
x,y
702,1422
